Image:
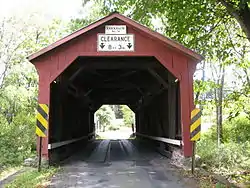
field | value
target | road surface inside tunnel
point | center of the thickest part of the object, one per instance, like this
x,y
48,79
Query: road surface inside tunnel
x,y
123,163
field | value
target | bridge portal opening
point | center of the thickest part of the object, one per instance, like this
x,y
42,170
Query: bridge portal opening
x,y
114,122
141,83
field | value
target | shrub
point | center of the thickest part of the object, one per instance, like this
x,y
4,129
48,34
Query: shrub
x,y
17,139
227,156
237,130
113,128
234,153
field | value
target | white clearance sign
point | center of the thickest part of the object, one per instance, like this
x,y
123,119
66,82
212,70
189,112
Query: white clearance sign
x,y
115,42
115,39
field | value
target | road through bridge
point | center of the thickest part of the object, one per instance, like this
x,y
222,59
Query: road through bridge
x,y
119,163
114,60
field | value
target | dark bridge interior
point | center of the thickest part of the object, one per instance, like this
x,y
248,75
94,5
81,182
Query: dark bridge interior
x,y
142,83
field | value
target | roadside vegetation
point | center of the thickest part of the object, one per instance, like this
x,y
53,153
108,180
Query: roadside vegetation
x,y
232,157
33,178
213,28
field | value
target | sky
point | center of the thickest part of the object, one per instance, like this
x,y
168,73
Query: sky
x,y
45,11
64,9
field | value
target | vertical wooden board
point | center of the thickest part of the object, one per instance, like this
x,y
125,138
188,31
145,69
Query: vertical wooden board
x,y
180,62
178,112
166,60
185,114
54,61
62,61
165,114
45,153
172,111
191,70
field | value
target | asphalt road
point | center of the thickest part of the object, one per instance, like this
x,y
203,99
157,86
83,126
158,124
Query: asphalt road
x,y
119,164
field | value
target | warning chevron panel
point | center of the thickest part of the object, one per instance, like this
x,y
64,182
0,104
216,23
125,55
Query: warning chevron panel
x,y
195,125
42,120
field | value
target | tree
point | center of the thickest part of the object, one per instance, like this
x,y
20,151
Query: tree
x,y
190,12
117,110
10,43
95,14
19,85
105,115
128,115
240,10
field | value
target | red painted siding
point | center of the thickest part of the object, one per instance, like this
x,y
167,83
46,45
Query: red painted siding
x,y
54,62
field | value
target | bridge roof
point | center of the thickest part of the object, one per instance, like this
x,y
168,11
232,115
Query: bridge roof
x,y
128,21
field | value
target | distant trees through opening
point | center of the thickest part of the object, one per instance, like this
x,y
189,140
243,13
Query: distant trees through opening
x,y
114,121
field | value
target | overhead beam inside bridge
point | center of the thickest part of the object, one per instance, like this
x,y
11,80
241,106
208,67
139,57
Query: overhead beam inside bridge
x,y
158,78
120,76
121,64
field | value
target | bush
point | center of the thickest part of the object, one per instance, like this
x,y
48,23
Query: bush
x,y
17,139
234,153
113,128
237,130
227,156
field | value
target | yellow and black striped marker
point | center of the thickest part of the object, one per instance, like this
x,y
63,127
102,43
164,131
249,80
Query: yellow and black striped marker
x,y
195,126
42,120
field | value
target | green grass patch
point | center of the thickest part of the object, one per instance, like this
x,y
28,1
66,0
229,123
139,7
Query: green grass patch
x,y
33,178
100,137
8,171
201,180
230,159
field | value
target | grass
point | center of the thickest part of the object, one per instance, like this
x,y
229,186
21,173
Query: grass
x,y
33,178
98,137
8,171
203,181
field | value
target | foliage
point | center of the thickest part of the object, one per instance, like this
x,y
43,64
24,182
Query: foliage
x,y
17,115
33,178
18,140
4,173
128,115
105,115
91,17
237,130
113,128
18,86
117,110
231,156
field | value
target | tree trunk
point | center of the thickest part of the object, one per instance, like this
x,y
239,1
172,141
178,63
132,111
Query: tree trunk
x,y
197,95
241,14
217,112
219,105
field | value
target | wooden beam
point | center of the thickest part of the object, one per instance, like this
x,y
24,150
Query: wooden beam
x,y
120,76
158,78
145,100
81,95
112,64
162,139
132,107
76,74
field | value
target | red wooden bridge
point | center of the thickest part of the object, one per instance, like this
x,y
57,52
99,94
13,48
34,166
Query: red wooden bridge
x,y
125,64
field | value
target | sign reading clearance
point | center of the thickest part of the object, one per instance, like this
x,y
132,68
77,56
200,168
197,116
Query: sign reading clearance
x,y
115,39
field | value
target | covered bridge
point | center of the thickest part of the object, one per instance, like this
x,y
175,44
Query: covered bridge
x,y
115,61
